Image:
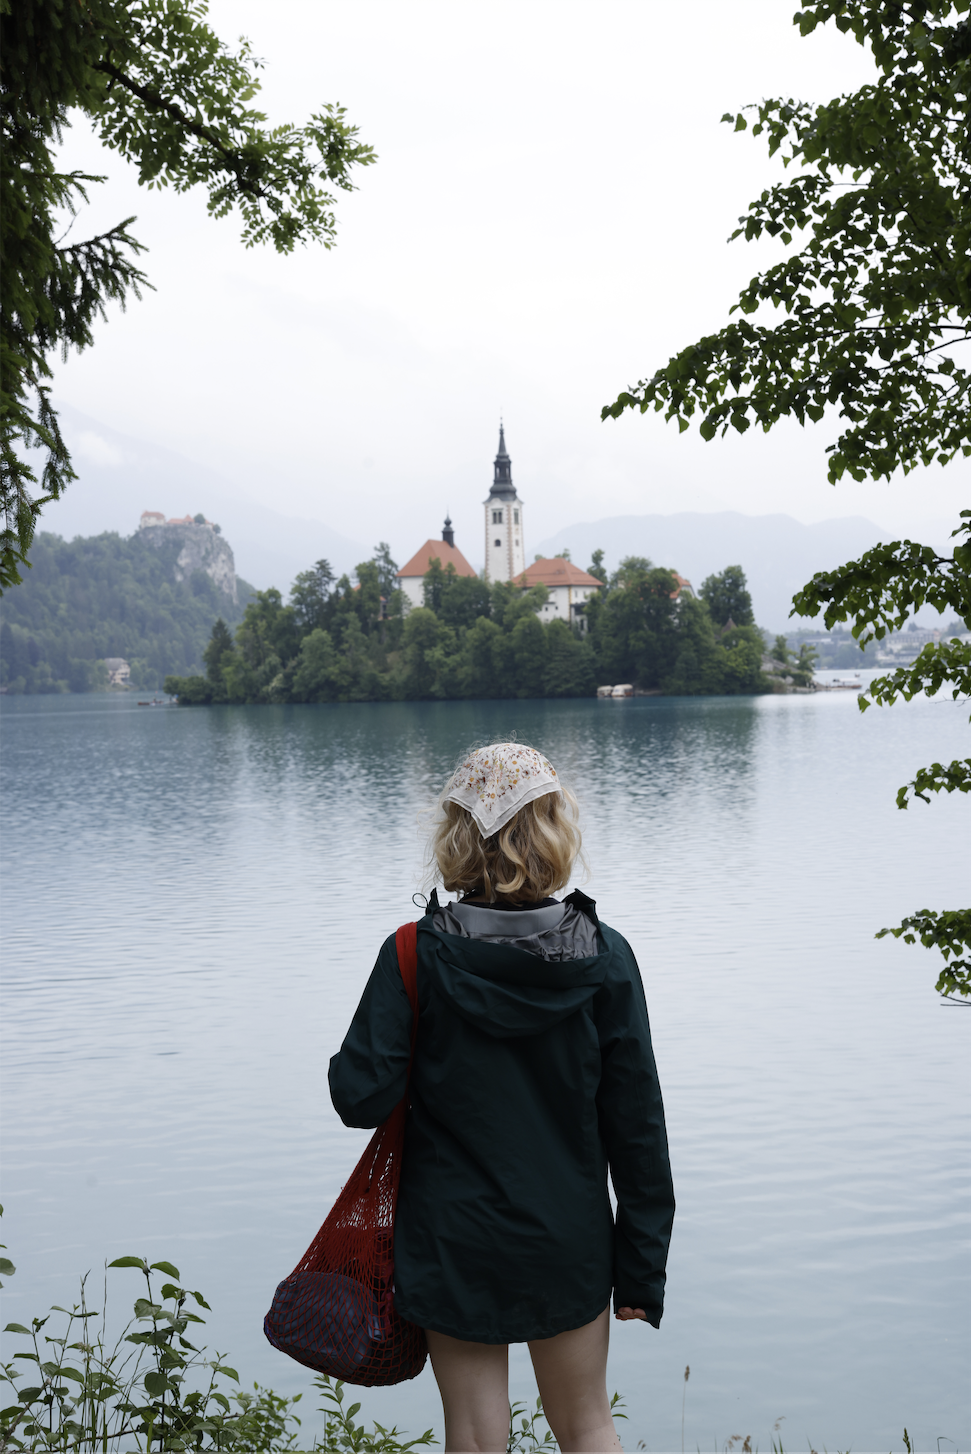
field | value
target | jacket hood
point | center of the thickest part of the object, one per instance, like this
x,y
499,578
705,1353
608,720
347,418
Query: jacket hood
x,y
504,991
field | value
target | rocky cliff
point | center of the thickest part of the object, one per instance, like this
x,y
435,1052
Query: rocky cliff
x,y
200,548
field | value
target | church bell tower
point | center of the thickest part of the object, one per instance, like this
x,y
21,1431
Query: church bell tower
x,y
505,555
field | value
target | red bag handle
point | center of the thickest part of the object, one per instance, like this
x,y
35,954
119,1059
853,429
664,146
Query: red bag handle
x,y
406,942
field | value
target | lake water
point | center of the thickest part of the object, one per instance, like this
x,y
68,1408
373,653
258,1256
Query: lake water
x,y
183,896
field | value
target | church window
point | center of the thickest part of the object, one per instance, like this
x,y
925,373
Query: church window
x,y
516,517
497,543
497,517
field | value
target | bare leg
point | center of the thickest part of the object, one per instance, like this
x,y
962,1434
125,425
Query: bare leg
x,y
571,1374
473,1380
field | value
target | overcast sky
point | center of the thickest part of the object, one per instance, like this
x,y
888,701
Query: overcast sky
x,y
546,223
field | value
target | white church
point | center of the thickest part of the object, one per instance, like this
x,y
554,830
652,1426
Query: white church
x,y
568,587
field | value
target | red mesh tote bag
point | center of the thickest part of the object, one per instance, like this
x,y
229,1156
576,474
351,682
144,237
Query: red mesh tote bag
x,y
335,1313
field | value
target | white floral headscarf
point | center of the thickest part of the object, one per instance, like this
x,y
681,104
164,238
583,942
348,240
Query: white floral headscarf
x,y
494,782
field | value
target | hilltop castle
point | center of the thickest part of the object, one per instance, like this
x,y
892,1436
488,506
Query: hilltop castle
x,y
201,547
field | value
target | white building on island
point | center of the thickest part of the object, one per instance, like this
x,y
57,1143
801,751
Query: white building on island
x,y
568,590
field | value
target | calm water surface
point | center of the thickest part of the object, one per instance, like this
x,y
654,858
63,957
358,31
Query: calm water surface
x,y
192,901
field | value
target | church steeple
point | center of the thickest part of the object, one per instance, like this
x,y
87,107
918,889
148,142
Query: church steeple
x,y
505,557
503,470
448,534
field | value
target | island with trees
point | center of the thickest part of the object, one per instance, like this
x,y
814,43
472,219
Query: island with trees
x,y
354,640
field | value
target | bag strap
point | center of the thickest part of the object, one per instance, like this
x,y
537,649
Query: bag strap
x,y
406,942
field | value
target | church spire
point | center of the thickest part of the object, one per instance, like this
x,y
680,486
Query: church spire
x,y
503,470
503,518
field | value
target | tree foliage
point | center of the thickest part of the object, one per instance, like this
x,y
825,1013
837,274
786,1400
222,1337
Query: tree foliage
x,y
310,594
947,931
874,302
596,567
470,639
879,293
163,91
728,598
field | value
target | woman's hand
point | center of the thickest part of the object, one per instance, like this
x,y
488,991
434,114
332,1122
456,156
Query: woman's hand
x,y
624,1315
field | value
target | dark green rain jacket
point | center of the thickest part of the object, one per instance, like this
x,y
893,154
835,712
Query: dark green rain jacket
x,y
531,1080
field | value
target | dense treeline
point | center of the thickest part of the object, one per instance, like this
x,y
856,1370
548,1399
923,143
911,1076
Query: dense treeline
x,y
355,641
87,599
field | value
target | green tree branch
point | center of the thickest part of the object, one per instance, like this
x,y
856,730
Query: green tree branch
x,y
162,90
949,933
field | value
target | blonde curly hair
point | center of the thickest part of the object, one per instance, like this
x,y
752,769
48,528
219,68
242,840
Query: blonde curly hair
x,y
529,858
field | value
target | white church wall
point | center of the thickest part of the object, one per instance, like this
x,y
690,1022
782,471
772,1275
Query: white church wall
x,y
560,604
412,588
504,536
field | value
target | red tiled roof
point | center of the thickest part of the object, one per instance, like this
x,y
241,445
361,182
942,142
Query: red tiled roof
x,y
437,550
556,572
560,572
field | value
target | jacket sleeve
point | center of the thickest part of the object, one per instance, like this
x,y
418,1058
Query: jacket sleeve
x,y
632,1123
369,1074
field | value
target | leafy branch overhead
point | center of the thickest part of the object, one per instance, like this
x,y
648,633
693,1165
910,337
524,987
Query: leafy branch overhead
x,y
161,89
878,295
879,592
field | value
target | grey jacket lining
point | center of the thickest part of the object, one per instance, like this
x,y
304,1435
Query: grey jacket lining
x,y
556,932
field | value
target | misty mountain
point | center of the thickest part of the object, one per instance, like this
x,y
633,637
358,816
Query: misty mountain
x,y
777,553
120,476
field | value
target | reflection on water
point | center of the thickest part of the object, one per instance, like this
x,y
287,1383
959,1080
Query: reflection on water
x,y
193,899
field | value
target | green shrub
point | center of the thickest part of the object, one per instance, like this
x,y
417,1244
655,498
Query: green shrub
x,y
151,1385
153,1389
